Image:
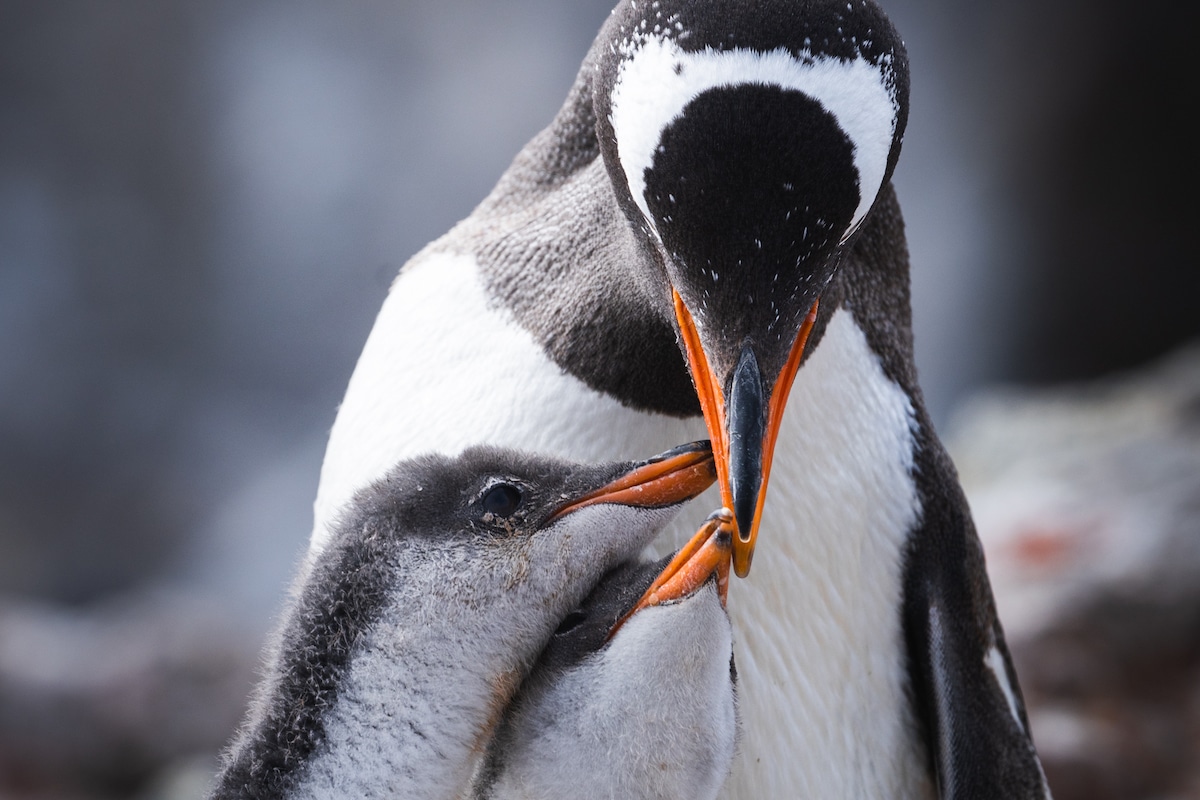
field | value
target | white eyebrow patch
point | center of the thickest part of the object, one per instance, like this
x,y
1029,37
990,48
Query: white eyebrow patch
x,y
656,81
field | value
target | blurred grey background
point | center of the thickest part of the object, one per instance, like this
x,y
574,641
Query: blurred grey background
x,y
201,208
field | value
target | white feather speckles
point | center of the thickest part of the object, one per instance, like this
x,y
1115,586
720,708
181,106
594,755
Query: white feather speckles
x,y
657,80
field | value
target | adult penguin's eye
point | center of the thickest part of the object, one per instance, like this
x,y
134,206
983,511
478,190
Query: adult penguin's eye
x,y
501,500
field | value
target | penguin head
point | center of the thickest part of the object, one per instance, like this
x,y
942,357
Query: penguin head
x,y
747,142
444,579
509,519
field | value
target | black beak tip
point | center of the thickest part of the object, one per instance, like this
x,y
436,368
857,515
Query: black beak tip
x,y
743,512
747,426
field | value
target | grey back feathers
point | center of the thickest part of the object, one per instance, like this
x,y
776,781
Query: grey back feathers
x,y
409,634
650,713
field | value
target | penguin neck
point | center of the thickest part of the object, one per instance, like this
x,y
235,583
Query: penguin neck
x,y
873,285
821,644
820,640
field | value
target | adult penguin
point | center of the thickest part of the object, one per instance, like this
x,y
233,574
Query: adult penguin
x,y
708,228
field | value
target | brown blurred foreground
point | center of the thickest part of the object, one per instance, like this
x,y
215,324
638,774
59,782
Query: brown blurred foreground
x,y
1088,502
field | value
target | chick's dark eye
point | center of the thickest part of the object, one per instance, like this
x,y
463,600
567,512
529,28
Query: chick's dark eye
x,y
502,499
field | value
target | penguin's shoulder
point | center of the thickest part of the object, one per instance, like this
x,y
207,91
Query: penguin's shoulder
x,y
555,250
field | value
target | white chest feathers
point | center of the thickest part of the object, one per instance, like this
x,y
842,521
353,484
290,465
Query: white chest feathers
x,y
817,623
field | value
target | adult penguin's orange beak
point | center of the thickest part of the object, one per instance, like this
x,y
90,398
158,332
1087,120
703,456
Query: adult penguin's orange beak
x,y
743,417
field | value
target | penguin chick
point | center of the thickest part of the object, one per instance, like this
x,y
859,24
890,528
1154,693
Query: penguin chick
x,y
409,635
631,700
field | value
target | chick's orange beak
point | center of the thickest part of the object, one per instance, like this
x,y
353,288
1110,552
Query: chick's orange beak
x,y
664,480
705,555
743,427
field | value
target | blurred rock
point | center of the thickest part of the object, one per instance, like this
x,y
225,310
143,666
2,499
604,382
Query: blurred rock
x,y
1087,499
132,698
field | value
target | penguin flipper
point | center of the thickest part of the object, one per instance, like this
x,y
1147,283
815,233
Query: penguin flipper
x,y
965,687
